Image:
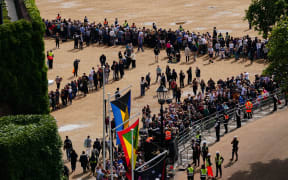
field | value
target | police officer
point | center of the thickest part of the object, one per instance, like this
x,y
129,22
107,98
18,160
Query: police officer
x,y
204,151
234,143
238,116
190,172
226,119
217,130
203,172
218,161
198,137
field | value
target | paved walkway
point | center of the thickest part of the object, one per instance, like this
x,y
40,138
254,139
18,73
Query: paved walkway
x,y
262,150
12,13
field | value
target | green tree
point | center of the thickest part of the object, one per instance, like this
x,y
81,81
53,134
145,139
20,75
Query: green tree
x,y
263,14
278,53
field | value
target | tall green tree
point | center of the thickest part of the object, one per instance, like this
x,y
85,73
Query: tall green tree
x,y
278,53
263,14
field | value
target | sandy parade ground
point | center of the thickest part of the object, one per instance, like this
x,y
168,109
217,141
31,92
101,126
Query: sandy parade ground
x,y
84,116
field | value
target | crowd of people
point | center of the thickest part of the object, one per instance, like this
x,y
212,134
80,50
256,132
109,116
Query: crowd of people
x,y
219,96
92,80
193,43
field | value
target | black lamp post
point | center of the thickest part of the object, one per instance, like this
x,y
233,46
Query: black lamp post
x,y
1,12
162,95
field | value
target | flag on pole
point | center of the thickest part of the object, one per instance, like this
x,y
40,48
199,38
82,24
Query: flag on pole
x,y
125,137
121,112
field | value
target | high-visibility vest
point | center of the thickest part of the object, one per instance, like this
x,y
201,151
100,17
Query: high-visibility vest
x,y
125,24
190,171
218,160
203,172
167,135
50,55
207,162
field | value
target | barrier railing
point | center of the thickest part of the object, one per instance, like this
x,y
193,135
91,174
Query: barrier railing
x,y
207,123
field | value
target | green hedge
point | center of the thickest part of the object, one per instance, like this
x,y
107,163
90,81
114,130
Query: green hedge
x,y
23,73
30,148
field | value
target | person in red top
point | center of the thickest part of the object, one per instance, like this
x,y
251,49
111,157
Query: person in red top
x,y
58,17
105,22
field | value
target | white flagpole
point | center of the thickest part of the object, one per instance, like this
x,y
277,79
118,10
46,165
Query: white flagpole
x,y
132,157
104,139
110,137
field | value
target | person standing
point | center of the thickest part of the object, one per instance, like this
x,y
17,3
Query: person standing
x,y
187,53
181,77
140,41
195,86
204,151
203,172
73,156
209,166
189,74
217,130
275,101
148,80
87,145
102,60
190,172
226,120
197,73
76,65
50,57
234,143
158,73
58,81
238,116
210,51
142,86
218,161
156,52
68,147
57,39
249,107
84,161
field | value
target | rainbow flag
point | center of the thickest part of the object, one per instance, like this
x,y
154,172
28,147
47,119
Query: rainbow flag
x,y
125,137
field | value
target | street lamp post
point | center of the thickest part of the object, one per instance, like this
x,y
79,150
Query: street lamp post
x,y
104,118
162,95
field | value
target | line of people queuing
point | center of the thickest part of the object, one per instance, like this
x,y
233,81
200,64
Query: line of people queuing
x,y
194,44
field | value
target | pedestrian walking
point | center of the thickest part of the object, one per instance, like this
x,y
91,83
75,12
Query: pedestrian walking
x,y
68,147
50,57
87,145
189,75
84,161
158,73
102,60
73,156
187,53
93,163
58,81
235,144
218,161
57,39
142,86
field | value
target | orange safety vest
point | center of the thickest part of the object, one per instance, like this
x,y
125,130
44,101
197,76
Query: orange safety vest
x,y
248,106
167,135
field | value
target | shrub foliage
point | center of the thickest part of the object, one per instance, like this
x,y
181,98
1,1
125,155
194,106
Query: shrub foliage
x,y
30,148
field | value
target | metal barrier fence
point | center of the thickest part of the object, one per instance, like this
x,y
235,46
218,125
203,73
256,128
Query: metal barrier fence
x,y
207,123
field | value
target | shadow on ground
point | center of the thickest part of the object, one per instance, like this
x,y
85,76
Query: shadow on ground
x,y
275,169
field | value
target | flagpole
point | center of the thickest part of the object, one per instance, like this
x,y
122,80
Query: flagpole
x,y
104,117
110,137
132,157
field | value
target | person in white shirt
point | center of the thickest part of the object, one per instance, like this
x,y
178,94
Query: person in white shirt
x,y
217,48
210,51
87,145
